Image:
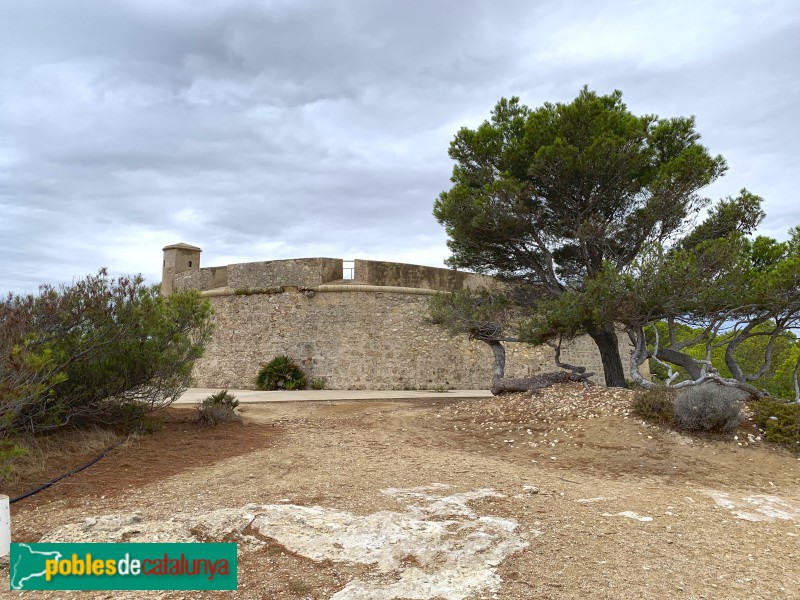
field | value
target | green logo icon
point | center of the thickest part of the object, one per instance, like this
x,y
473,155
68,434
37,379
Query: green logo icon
x,y
122,566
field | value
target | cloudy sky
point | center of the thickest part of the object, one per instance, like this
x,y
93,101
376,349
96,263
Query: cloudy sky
x,y
275,129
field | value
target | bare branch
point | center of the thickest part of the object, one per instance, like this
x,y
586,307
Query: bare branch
x,y
671,375
563,365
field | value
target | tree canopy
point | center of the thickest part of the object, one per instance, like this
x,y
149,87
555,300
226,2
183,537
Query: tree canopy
x,y
558,196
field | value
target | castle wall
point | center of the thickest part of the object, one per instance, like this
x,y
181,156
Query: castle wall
x,y
299,272
359,340
374,272
206,278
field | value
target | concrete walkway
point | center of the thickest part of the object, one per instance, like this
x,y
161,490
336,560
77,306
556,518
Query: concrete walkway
x,y
193,395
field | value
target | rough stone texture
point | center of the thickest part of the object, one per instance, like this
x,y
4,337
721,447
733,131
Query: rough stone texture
x,y
438,547
219,276
299,272
373,272
196,279
360,340
177,258
201,279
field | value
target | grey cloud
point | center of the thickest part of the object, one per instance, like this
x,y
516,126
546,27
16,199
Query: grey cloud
x,y
304,128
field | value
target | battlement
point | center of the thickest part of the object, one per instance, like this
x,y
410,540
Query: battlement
x,y
307,273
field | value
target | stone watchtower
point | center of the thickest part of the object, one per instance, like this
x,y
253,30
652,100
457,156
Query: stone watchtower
x,y
177,259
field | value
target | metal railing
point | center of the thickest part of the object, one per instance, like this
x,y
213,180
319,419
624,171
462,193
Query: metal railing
x,y
348,269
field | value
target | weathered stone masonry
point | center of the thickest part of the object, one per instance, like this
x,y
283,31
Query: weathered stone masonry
x,y
375,338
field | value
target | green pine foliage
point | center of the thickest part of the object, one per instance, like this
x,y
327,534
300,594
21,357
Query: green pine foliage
x,y
9,452
555,195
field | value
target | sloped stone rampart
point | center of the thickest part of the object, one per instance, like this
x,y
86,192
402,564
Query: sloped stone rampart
x,y
359,340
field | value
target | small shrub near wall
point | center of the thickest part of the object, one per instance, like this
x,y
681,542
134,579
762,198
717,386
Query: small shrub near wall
x,y
709,407
218,408
281,373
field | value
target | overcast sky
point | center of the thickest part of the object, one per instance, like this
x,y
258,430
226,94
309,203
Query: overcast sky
x,y
279,129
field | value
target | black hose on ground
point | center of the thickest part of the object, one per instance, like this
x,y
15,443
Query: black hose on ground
x,y
65,475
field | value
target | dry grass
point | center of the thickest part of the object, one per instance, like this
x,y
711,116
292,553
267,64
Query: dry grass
x,y
63,449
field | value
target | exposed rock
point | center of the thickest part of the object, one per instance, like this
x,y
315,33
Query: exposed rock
x,y
456,552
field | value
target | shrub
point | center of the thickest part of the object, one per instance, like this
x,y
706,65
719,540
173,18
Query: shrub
x,y
9,452
709,407
281,373
218,408
77,352
128,418
318,383
779,420
656,405
150,424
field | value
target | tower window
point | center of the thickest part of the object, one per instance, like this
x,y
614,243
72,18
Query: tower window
x,y
190,263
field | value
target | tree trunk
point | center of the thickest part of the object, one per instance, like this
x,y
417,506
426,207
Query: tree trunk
x,y
499,360
693,368
500,384
537,382
606,340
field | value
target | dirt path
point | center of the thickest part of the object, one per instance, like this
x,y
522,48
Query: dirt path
x,y
558,496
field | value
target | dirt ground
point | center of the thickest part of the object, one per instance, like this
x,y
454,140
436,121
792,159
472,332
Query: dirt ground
x,y
564,493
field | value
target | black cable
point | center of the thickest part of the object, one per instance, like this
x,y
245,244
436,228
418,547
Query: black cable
x,y
65,475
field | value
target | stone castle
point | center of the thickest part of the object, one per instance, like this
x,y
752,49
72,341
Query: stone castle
x,y
369,331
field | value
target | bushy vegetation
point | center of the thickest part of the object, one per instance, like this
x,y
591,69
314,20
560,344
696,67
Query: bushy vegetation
x,y
9,453
779,420
148,424
656,405
318,383
97,351
709,407
218,408
86,351
281,373
778,377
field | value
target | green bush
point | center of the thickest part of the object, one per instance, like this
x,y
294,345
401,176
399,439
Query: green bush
x,y
281,373
150,424
779,420
218,408
709,407
95,350
655,406
318,383
9,452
